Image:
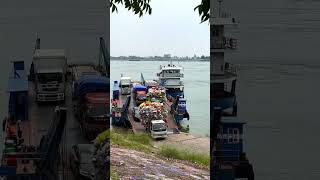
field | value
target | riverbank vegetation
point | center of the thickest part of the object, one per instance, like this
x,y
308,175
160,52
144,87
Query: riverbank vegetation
x,y
141,7
143,142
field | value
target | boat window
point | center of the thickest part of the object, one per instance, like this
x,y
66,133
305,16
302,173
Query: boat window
x,y
236,135
215,32
233,136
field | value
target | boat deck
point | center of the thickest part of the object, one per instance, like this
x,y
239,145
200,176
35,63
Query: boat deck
x,y
137,127
40,117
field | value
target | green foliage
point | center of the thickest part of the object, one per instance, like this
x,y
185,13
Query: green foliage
x,y
174,153
204,10
137,6
114,174
143,6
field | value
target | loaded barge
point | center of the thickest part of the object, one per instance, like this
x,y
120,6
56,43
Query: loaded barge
x,y
229,158
147,104
41,126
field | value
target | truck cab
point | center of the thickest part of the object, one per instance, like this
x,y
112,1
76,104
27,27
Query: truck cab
x,y
92,104
139,94
95,113
50,66
158,129
125,85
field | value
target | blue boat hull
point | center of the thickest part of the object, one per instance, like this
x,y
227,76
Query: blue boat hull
x,y
224,103
173,95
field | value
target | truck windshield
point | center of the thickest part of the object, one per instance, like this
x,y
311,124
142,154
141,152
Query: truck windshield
x,y
97,110
159,127
48,77
125,86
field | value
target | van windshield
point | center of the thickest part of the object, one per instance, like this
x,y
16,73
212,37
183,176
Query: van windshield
x,y
49,77
125,86
159,127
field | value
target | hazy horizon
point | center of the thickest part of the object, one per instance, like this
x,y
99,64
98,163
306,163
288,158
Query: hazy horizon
x,y
177,31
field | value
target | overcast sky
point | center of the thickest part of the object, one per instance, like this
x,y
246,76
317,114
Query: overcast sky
x,y
173,28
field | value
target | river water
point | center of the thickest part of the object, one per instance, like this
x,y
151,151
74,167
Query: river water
x,y
197,87
278,87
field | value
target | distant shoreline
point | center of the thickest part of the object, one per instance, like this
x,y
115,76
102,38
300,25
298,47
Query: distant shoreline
x,y
174,60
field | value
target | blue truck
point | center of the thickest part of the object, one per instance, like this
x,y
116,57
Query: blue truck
x,y
92,105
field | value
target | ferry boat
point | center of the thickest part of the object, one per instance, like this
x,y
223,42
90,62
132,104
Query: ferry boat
x,y
170,77
229,159
124,107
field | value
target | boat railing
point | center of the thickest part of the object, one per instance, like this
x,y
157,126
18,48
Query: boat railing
x,y
175,75
224,43
230,68
225,14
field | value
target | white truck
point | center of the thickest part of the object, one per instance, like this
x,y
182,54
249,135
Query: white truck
x,y
125,85
157,127
50,70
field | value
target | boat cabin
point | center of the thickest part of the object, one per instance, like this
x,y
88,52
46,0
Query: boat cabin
x,y
18,92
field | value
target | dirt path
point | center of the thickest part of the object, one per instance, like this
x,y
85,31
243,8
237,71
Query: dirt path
x,y
130,164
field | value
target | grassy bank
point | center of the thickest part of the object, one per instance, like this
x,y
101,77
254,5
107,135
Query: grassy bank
x,y
144,143
139,142
114,175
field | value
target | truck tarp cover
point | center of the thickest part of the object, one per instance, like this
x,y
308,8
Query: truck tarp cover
x,y
91,83
139,88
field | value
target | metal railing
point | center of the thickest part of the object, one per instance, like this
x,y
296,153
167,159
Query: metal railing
x,y
231,68
224,43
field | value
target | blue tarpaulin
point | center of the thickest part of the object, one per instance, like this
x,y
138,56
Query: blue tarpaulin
x,y
91,83
139,88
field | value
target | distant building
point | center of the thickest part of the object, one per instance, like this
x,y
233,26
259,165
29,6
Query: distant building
x,y
167,55
195,57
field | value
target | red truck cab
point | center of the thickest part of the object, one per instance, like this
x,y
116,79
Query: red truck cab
x,y
95,117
